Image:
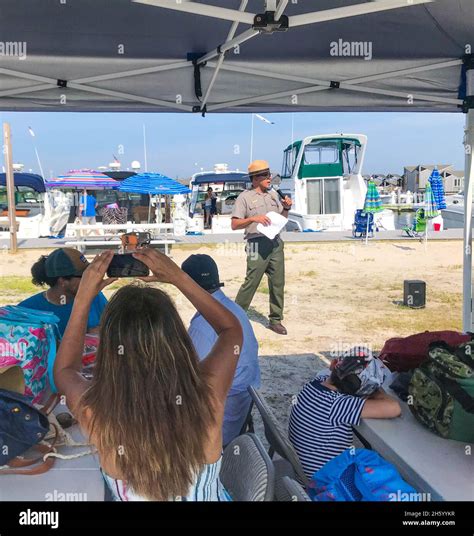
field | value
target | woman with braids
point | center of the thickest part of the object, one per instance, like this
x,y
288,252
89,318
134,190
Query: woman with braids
x,y
152,410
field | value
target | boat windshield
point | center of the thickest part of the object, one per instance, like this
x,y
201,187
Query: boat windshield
x,y
321,152
226,194
350,156
289,160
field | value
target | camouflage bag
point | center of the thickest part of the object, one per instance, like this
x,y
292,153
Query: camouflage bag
x,y
442,391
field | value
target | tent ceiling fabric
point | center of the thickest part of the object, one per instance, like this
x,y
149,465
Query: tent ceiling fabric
x,y
76,41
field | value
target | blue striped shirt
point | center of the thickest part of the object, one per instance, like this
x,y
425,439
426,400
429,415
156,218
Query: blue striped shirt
x,y
204,337
321,422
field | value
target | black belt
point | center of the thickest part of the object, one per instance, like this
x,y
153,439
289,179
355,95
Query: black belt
x,y
277,237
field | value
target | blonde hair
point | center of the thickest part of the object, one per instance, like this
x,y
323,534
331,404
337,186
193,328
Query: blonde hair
x,y
150,401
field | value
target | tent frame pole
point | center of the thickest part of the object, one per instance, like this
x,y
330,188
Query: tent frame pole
x,y
313,89
351,85
351,11
134,72
220,61
295,20
241,38
319,85
76,85
468,199
315,81
202,9
280,8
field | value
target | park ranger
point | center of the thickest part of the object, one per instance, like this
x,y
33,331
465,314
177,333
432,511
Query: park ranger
x,y
264,256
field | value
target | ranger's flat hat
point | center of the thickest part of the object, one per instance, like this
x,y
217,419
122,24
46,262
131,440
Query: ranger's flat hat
x,y
258,166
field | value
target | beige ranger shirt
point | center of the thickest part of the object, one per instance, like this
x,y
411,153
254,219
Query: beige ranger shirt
x,y
253,203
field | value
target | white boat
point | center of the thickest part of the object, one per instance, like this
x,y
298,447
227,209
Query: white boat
x,y
227,185
453,214
323,176
37,212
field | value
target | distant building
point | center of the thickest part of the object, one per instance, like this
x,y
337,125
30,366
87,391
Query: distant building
x,y
416,177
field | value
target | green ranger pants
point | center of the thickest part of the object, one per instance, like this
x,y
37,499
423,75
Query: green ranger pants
x,y
264,256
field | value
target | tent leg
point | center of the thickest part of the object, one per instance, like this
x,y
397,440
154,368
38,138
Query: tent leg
x,y
467,253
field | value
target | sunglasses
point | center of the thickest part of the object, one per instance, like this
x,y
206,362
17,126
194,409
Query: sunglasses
x,y
265,175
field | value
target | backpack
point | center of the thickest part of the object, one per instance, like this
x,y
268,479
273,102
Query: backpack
x,y
22,426
442,391
359,475
401,354
28,339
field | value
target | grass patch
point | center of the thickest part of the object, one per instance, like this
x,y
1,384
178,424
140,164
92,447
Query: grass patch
x,y
454,299
311,273
18,285
409,321
452,268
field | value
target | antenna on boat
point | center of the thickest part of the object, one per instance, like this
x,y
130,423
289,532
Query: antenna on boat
x,y
144,148
33,135
264,120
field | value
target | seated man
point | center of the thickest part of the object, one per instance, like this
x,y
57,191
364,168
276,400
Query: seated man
x,y
203,270
61,271
326,408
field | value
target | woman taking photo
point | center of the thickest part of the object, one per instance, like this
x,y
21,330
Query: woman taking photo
x,y
152,410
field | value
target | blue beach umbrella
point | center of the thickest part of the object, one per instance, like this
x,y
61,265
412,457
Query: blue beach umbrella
x,y
152,184
437,186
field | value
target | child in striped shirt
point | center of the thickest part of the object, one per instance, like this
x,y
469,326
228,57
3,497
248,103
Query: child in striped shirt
x,y
321,421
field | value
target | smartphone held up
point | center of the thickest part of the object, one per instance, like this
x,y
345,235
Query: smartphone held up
x,y
124,264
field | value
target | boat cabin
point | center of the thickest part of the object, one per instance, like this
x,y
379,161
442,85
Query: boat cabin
x,y
322,174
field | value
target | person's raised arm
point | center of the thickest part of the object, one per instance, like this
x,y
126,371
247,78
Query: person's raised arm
x,y
68,363
222,359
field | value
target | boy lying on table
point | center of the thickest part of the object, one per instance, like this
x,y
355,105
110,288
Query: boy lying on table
x,y
321,421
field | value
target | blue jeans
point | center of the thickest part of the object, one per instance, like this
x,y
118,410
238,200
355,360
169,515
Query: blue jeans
x,y
235,412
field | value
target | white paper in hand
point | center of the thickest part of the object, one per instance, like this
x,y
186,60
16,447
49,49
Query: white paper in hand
x,y
277,223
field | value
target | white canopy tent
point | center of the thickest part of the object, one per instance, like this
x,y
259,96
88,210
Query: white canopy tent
x,y
244,56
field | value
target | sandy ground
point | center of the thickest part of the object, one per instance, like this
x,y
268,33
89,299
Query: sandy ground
x,y
337,295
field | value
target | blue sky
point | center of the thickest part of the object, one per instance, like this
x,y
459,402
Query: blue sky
x,y
177,142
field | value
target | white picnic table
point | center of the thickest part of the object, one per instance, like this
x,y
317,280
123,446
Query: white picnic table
x,y
77,479
441,467
105,238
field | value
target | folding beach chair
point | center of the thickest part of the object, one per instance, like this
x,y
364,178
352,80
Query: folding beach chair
x,y
277,439
418,228
247,472
361,227
288,490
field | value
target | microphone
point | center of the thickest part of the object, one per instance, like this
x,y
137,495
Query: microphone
x,y
280,193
